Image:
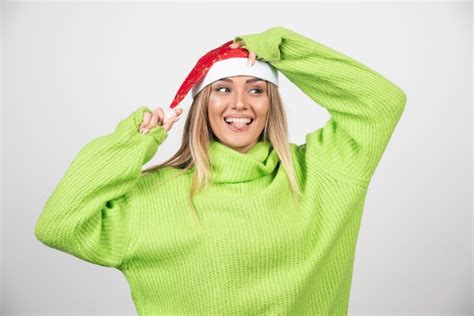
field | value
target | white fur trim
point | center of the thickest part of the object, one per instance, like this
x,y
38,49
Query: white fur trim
x,y
236,66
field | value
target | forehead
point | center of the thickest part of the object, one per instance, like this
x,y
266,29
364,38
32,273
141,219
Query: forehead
x,y
237,79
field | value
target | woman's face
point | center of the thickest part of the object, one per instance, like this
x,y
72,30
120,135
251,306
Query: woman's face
x,y
233,102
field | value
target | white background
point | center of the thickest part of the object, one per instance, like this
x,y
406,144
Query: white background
x,y
71,71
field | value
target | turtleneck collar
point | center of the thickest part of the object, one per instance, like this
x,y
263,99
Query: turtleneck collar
x,y
231,166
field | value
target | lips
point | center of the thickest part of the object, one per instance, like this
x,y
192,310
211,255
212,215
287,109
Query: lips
x,y
238,117
245,127
251,120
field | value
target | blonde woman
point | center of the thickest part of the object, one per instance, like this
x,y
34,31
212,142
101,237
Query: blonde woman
x,y
238,221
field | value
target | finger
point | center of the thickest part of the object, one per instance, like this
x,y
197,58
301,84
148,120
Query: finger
x,y
252,57
173,113
146,119
237,44
170,122
178,111
153,123
148,126
176,115
161,115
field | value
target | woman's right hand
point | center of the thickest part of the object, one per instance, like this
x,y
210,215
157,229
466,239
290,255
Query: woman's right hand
x,y
155,118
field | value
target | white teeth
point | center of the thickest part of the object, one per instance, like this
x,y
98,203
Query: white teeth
x,y
235,119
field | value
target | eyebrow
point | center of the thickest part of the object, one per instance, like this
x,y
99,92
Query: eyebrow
x,y
250,80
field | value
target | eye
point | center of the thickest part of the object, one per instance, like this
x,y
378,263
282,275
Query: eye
x,y
218,89
258,89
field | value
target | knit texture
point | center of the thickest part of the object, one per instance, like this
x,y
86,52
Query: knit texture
x,y
257,252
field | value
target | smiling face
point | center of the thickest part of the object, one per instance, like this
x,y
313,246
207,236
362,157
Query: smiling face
x,y
237,109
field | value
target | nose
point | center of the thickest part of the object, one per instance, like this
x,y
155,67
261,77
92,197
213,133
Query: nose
x,y
239,102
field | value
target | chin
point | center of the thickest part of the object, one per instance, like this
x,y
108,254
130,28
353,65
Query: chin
x,y
237,140
235,143
232,141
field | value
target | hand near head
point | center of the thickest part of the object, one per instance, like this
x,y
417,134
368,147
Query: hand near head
x,y
252,55
155,118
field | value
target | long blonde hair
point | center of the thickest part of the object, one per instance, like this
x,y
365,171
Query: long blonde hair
x,y
198,135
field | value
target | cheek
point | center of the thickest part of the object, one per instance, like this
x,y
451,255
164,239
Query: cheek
x,y
214,112
262,111
216,105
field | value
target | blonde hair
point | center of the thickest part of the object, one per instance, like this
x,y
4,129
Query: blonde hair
x,y
198,135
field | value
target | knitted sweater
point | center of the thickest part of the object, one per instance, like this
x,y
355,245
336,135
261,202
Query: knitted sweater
x,y
256,251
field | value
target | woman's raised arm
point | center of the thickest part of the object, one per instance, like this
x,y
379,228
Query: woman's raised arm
x,y
364,106
89,213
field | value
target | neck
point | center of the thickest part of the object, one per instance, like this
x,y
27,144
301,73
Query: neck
x,y
230,165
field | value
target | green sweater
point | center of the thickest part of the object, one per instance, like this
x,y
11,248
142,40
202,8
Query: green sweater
x,y
256,252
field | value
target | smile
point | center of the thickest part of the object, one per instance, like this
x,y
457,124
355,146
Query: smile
x,y
239,126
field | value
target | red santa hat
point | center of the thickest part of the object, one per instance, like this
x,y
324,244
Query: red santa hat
x,y
219,63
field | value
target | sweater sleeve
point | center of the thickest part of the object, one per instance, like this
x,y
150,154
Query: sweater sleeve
x,y
88,214
364,107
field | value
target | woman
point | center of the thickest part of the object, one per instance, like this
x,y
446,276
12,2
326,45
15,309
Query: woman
x,y
274,224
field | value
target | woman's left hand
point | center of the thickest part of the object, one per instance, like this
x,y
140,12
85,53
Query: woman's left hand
x,y
252,55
